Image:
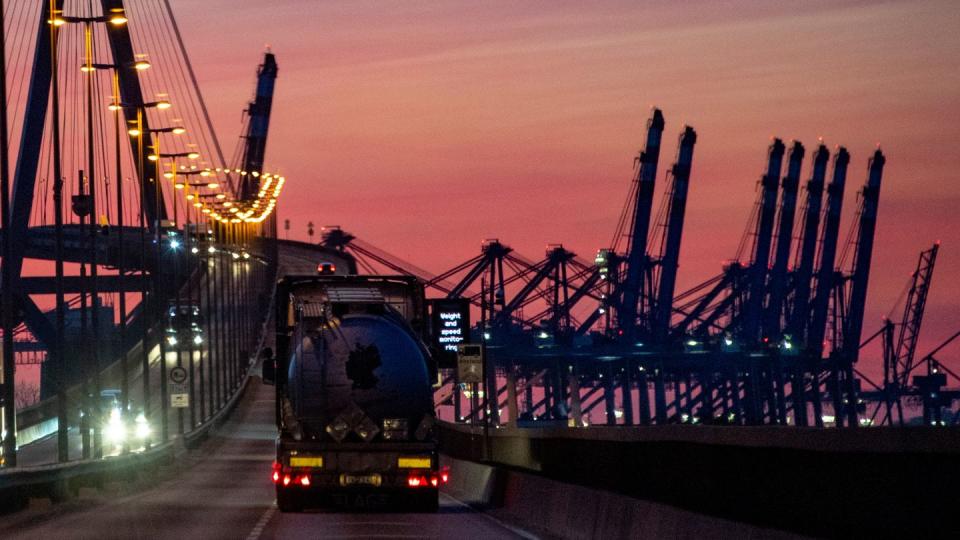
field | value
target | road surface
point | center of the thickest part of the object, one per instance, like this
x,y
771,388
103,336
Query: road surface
x,y
223,490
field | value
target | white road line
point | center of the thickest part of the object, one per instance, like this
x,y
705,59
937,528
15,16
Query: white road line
x,y
369,535
519,532
377,523
264,519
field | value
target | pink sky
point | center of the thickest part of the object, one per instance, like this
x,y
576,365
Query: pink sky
x,y
425,128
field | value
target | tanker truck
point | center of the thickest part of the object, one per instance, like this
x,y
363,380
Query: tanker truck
x,y
354,398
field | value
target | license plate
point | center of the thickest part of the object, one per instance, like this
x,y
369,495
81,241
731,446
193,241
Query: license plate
x,y
306,461
360,480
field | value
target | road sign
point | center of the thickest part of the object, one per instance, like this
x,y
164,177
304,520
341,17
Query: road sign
x,y
179,398
178,375
179,401
470,363
450,326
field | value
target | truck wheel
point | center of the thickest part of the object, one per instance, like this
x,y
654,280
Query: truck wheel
x,y
288,501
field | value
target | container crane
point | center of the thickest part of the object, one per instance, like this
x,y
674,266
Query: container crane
x,y
807,247
638,263
761,243
670,250
856,300
778,274
258,125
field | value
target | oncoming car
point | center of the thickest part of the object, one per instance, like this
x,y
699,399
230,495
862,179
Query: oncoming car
x,y
184,326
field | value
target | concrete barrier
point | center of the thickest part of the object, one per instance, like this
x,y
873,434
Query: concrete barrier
x,y
828,483
543,505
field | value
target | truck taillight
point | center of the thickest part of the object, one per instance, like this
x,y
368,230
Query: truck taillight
x,y
276,472
417,480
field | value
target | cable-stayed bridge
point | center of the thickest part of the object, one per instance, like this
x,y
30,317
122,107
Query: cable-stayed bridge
x,y
139,264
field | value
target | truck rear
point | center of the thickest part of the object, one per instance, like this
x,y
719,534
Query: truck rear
x,y
354,399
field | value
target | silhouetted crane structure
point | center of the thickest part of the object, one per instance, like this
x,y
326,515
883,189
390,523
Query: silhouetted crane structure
x,y
773,339
899,342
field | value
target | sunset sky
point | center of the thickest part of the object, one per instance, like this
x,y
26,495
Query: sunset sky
x,y
424,128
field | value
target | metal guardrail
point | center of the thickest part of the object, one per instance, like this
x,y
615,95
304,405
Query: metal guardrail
x,y
193,438
61,481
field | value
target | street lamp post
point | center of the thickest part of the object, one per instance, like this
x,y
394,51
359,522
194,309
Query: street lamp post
x,y
57,19
190,247
90,67
156,157
94,293
138,132
63,449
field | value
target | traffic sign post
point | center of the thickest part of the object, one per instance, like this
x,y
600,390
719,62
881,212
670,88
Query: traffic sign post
x,y
179,396
470,363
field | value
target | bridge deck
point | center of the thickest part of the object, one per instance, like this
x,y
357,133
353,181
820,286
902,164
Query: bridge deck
x,y
223,490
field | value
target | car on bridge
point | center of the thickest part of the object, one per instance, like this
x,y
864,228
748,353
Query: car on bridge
x,y
326,268
184,329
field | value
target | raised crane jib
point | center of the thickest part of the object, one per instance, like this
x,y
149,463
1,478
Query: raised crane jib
x,y
781,253
866,229
258,125
807,249
637,256
763,237
828,251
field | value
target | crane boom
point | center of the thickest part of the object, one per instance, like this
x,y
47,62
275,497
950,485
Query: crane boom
x,y
637,259
258,125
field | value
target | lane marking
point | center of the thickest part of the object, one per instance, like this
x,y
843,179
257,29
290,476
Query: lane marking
x,y
378,523
264,519
519,532
347,536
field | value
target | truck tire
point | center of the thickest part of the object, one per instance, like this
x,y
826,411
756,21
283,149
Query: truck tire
x,y
288,501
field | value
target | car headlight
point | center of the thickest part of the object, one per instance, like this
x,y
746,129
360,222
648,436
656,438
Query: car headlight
x,y
141,428
114,430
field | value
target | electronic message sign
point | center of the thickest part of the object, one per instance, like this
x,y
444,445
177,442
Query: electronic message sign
x,y
450,327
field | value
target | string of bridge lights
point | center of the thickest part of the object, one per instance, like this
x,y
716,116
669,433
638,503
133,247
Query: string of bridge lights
x,y
255,210
224,211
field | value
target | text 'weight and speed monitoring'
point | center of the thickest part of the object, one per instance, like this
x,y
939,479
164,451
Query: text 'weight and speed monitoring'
x,y
451,326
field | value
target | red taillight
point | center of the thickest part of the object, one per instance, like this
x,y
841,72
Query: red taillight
x,y
286,480
413,481
445,475
304,480
276,472
416,479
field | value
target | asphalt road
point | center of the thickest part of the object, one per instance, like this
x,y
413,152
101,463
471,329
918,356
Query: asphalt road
x,y
223,490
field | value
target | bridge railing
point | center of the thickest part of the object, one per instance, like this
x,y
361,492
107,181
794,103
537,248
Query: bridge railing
x,y
233,285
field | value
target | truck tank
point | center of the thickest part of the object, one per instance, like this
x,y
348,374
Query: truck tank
x,y
369,362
